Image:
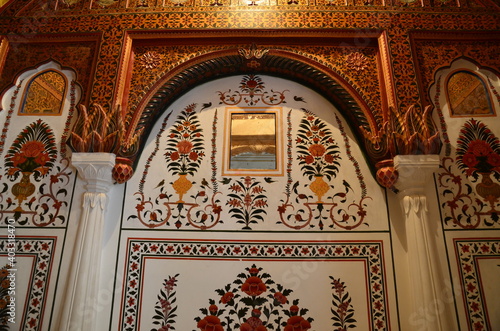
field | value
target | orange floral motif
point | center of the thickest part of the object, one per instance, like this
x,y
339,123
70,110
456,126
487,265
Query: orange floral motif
x,y
32,148
18,159
317,150
184,147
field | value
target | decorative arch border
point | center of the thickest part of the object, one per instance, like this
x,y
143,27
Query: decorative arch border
x,y
278,63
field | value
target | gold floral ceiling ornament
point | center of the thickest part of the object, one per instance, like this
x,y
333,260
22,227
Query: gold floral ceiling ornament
x,y
149,60
357,61
253,55
253,52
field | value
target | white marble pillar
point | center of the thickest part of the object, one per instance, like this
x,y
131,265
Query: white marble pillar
x,y
78,310
415,172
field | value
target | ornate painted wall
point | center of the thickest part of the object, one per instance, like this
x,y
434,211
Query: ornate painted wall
x,y
314,240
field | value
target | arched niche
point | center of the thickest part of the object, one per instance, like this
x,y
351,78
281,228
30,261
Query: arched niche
x,y
450,120
278,63
187,158
44,94
48,91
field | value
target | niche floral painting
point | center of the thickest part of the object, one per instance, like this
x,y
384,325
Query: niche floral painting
x,y
33,152
472,201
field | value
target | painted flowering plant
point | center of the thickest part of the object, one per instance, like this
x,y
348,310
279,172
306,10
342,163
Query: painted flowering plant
x,y
166,307
478,150
343,311
34,150
254,302
184,150
318,154
247,201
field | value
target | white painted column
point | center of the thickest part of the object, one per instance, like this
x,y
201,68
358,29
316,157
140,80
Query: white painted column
x,y
415,172
79,311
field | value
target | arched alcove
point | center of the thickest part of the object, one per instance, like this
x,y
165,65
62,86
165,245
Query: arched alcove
x,y
276,63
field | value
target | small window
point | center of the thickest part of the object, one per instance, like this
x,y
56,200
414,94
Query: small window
x,y
44,94
253,142
468,95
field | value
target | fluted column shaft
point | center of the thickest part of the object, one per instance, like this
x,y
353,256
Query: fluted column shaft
x,y
83,283
415,171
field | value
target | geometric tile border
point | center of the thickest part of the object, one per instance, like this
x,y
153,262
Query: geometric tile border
x,y
467,252
41,249
371,252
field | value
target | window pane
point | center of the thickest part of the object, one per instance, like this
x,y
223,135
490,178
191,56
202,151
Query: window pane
x,y
253,141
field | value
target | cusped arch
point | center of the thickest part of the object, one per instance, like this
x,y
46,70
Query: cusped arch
x,y
278,63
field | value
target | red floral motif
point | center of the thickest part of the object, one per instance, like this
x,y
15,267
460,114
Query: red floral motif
x,y
228,296
32,148
210,323
253,323
253,286
175,156
480,148
279,297
297,323
18,159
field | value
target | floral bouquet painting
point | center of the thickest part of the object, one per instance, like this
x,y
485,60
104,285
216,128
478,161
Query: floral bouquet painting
x,y
34,152
318,153
185,149
478,154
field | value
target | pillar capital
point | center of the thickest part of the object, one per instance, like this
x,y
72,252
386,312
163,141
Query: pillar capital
x,y
414,172
95,169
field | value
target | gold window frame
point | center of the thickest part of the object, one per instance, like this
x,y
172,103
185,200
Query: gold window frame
x,y
229,112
